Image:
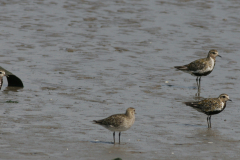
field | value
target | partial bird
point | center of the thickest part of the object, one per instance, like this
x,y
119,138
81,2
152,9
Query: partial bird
x,y
2,74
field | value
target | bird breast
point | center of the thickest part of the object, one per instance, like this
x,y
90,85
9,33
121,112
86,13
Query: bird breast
x,y
210,66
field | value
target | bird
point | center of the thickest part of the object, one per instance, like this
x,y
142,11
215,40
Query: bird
x,y
118,122
201,67
210,106
2,74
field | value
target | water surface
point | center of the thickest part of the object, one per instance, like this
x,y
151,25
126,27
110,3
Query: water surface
x,y
86,60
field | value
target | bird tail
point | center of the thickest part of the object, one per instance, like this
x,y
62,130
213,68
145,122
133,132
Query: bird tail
x,y
95,122
188,103
181,67
192,104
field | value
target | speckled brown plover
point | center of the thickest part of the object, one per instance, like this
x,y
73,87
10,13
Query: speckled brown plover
x,y
201,67
118,122
210,106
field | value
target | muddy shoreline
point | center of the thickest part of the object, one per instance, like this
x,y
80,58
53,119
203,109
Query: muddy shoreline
x,y
86,60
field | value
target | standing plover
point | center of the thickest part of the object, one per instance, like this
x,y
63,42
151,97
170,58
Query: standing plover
x,y
2,74
210,106
201,67
118,122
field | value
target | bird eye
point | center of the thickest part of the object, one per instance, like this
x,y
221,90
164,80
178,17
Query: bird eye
x,y
224,96
0,72
213,52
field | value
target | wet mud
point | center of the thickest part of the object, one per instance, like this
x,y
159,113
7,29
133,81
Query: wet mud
x,y
86,60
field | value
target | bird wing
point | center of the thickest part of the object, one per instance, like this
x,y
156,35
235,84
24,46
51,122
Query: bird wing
x,y
114,120
197,65
205,105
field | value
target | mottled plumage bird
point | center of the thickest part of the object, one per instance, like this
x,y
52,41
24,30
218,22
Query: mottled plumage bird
x,y
201,67
210,106
118,122
2,74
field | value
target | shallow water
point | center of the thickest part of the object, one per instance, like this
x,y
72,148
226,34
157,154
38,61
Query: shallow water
x,y
85,60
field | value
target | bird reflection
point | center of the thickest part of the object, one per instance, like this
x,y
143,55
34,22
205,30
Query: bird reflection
x,y
12,89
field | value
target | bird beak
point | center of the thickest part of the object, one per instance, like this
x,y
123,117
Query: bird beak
x,y
230,100
219,56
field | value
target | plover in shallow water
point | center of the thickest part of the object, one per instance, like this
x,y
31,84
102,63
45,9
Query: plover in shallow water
x,y
118,122
210,106
201,67
2,74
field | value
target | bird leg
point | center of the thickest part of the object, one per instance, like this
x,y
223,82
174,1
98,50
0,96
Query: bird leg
x,y
207,122
114,137
119,136
197,81
198,86
210,121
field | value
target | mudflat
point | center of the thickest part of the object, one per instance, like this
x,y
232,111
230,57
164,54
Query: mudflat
x,y
86,60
